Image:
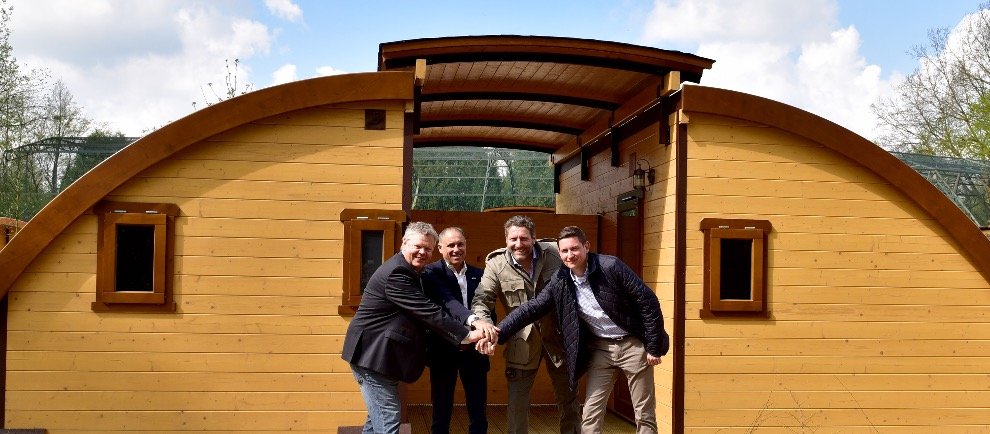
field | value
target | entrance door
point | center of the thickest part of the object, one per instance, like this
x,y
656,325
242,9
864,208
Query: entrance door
x,y
629,248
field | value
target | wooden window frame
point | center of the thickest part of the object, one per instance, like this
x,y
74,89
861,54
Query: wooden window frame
x,y
162,217
356,222
715,231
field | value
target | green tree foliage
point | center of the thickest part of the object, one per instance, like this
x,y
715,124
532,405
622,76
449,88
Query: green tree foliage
x,y
59,116
41,151
35,173
475,179
18,90
942,108
979,135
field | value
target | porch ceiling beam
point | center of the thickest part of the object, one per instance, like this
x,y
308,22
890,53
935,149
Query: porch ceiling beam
x,y
496,95
568,59
429,142
501,123
607,123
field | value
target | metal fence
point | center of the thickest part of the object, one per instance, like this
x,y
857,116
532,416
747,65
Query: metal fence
x,y
32,174
965,182
474,179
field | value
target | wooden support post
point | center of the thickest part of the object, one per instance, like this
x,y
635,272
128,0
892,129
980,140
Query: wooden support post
x,y
664,121
613,137
418,81
585,163
671,83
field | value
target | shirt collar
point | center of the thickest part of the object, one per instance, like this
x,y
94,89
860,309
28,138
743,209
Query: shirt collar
x,y
454,270
579,280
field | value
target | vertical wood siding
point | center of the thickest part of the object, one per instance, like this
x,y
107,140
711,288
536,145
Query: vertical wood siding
x,y
879,323
255,344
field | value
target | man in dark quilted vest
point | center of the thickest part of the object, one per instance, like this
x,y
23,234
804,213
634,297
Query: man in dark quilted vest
x,y
609,320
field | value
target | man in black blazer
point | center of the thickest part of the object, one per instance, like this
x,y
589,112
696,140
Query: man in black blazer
x,y
386,339
451,282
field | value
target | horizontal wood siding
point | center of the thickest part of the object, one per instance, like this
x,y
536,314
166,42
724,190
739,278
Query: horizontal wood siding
x,y
879,322
255,344
598,195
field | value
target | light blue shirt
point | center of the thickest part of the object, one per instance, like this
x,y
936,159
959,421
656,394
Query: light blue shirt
x,y
592,313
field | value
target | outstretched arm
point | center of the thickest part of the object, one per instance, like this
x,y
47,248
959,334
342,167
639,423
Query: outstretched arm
x,y
483,303
435,284
403,288
527,313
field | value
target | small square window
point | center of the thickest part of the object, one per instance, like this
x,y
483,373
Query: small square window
x,y
370,238
735,267
374,119
134,256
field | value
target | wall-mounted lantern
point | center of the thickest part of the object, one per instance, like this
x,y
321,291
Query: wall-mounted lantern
x,y
643,177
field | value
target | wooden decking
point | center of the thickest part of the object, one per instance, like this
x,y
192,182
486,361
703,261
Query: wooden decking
x,y
542,419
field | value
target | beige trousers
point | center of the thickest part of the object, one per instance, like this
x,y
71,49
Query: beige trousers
x,y
608,358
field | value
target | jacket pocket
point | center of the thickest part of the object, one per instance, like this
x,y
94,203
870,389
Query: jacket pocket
x,y
517,350
397,336
515,296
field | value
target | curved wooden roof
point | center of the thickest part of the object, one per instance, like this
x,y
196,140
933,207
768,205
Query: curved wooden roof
x,y
512,91
528,92
721,102
160,144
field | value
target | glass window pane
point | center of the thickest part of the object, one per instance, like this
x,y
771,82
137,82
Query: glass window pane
x,y
372,243
736,269
135,268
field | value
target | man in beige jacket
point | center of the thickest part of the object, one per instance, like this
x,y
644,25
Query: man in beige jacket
x,y
515,275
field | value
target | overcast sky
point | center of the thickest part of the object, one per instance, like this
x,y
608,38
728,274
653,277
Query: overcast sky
x,y
138,65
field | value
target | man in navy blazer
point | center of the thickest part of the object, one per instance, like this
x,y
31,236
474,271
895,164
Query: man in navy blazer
x,y
451,282
386,339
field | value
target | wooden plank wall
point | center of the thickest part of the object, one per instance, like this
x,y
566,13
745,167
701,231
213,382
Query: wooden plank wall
x,y
255,345
485,232
878,322
599,193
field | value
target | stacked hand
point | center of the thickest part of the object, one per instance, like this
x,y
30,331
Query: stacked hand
x,y
486,345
